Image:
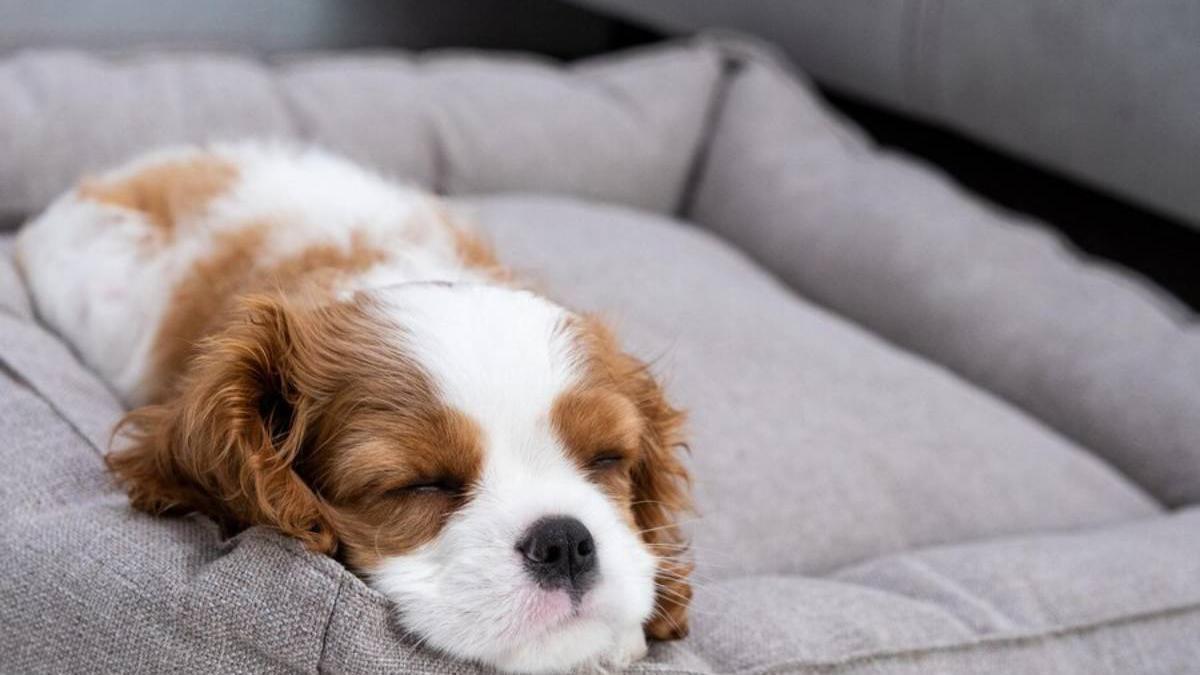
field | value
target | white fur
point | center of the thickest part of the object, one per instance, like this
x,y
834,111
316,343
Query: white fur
x,y
96,282
498,355
502,357
90,283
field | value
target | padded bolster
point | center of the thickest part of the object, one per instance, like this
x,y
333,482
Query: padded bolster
x,y
605,128
1105,92
1112,600
1089,349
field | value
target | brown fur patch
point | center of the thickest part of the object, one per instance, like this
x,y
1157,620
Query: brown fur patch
x,y
225,445
365,475
601,425
202,301
292,417
595,422
168,192
388,430
473,250
658,483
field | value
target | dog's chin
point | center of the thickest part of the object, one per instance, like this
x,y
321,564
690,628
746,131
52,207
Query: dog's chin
x,y
551,634
525,629
559,635
580,645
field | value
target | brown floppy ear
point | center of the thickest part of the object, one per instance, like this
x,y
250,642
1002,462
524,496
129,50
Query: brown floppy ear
x,y
661,484
225,441
661,493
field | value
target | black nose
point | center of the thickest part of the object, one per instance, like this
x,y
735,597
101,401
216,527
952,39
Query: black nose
x,y
559,553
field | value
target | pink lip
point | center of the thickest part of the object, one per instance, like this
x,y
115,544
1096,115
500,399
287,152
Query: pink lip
x,y
541,611
548,607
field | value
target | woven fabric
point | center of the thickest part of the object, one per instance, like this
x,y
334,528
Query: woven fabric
x,y
863,509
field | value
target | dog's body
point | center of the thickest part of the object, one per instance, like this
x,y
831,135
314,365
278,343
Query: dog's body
x,y
320,351
110,264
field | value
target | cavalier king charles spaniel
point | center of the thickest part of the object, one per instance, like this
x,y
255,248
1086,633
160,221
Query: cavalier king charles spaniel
x,y
311,348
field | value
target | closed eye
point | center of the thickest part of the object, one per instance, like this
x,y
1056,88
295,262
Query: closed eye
x,y
441,486
606,460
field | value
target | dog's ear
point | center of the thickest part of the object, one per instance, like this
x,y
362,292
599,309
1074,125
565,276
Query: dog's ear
x,y
661,493
226,443
661,484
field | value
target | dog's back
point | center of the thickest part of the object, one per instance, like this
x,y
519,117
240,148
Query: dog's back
x,y
135,265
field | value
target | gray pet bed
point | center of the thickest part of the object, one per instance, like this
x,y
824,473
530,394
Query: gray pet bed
x,y
926,437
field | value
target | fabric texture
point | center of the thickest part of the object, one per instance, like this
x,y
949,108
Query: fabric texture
x,y
1106,93
13,298
879,452
895,246
1072,603
966,508
457,122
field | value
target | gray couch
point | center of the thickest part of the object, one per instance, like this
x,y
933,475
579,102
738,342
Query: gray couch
x,y
926,436
1106,92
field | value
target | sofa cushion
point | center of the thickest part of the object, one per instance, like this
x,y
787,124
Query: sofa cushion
x,y
456,122
1093,351
815,445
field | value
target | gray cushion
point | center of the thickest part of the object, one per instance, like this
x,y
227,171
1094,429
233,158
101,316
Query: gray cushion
x,y
1116,600
1105,92
607,128
1090,349
13,298
456,122
819,448
815,445
875,450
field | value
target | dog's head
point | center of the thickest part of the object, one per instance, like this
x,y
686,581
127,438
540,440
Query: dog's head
x,y
490,461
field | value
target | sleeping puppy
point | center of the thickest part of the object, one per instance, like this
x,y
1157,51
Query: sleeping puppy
x,y
311,348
